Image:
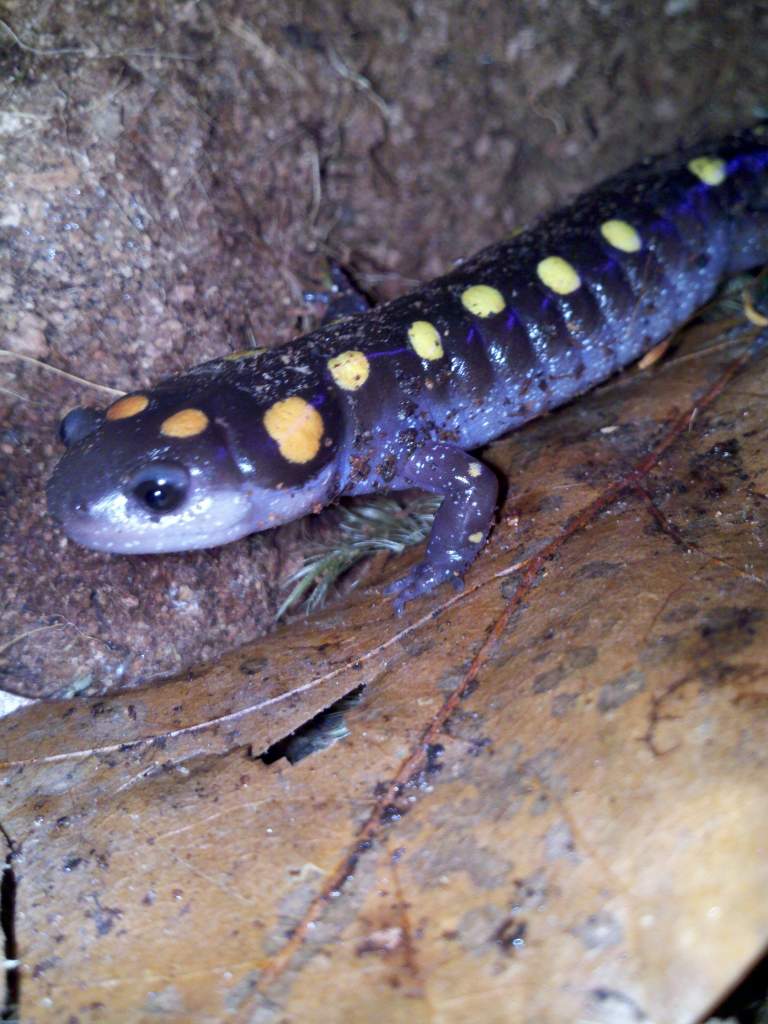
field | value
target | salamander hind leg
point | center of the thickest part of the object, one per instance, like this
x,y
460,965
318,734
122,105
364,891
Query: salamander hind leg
x,y
461,524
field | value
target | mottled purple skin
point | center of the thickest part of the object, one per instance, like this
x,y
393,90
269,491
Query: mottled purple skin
x,y
412,421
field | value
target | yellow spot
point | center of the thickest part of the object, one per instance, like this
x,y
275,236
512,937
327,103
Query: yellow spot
x,y
475,538
475,469
245,353
131,405
350,370
297,427
621,235
482,300
558,274
185,423
425,340
709,169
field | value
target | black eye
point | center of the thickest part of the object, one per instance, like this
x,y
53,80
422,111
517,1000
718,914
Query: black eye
x,y
159,495
161,487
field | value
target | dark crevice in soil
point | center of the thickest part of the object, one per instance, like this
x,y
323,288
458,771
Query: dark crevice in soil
x,y
320,732
748,1003
9,1011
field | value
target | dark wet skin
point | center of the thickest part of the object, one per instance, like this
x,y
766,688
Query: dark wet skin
x,y
398,396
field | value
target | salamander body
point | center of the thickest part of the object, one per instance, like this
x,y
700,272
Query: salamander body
x,y
396,397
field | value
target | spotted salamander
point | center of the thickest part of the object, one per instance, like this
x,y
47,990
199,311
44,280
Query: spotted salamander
x,y
398,396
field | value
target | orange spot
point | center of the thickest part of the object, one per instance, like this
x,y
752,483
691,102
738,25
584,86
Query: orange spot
x,y
185,423
131,405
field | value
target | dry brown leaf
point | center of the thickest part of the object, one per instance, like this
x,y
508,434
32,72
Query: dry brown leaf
x,y
551,804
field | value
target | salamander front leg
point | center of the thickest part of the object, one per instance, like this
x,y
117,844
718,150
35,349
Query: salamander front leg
x,y
342,298
461,524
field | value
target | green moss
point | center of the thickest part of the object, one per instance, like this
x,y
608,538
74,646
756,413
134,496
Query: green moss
x,y
378,524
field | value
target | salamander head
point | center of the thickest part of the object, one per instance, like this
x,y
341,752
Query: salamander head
x,y
183,467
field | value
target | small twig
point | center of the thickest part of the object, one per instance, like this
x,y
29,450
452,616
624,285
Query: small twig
x,y
361,82
62,373
268,55
30,632
91,54
39,52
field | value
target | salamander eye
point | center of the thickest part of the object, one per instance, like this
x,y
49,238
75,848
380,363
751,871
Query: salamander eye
x,y
160,487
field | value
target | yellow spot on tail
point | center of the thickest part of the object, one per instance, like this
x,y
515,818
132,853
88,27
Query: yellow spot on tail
x,y
131,405
185,423
425,340
475,469
475,538
709,169
297,427
621,235
350,370
245,353
558,274
482,300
